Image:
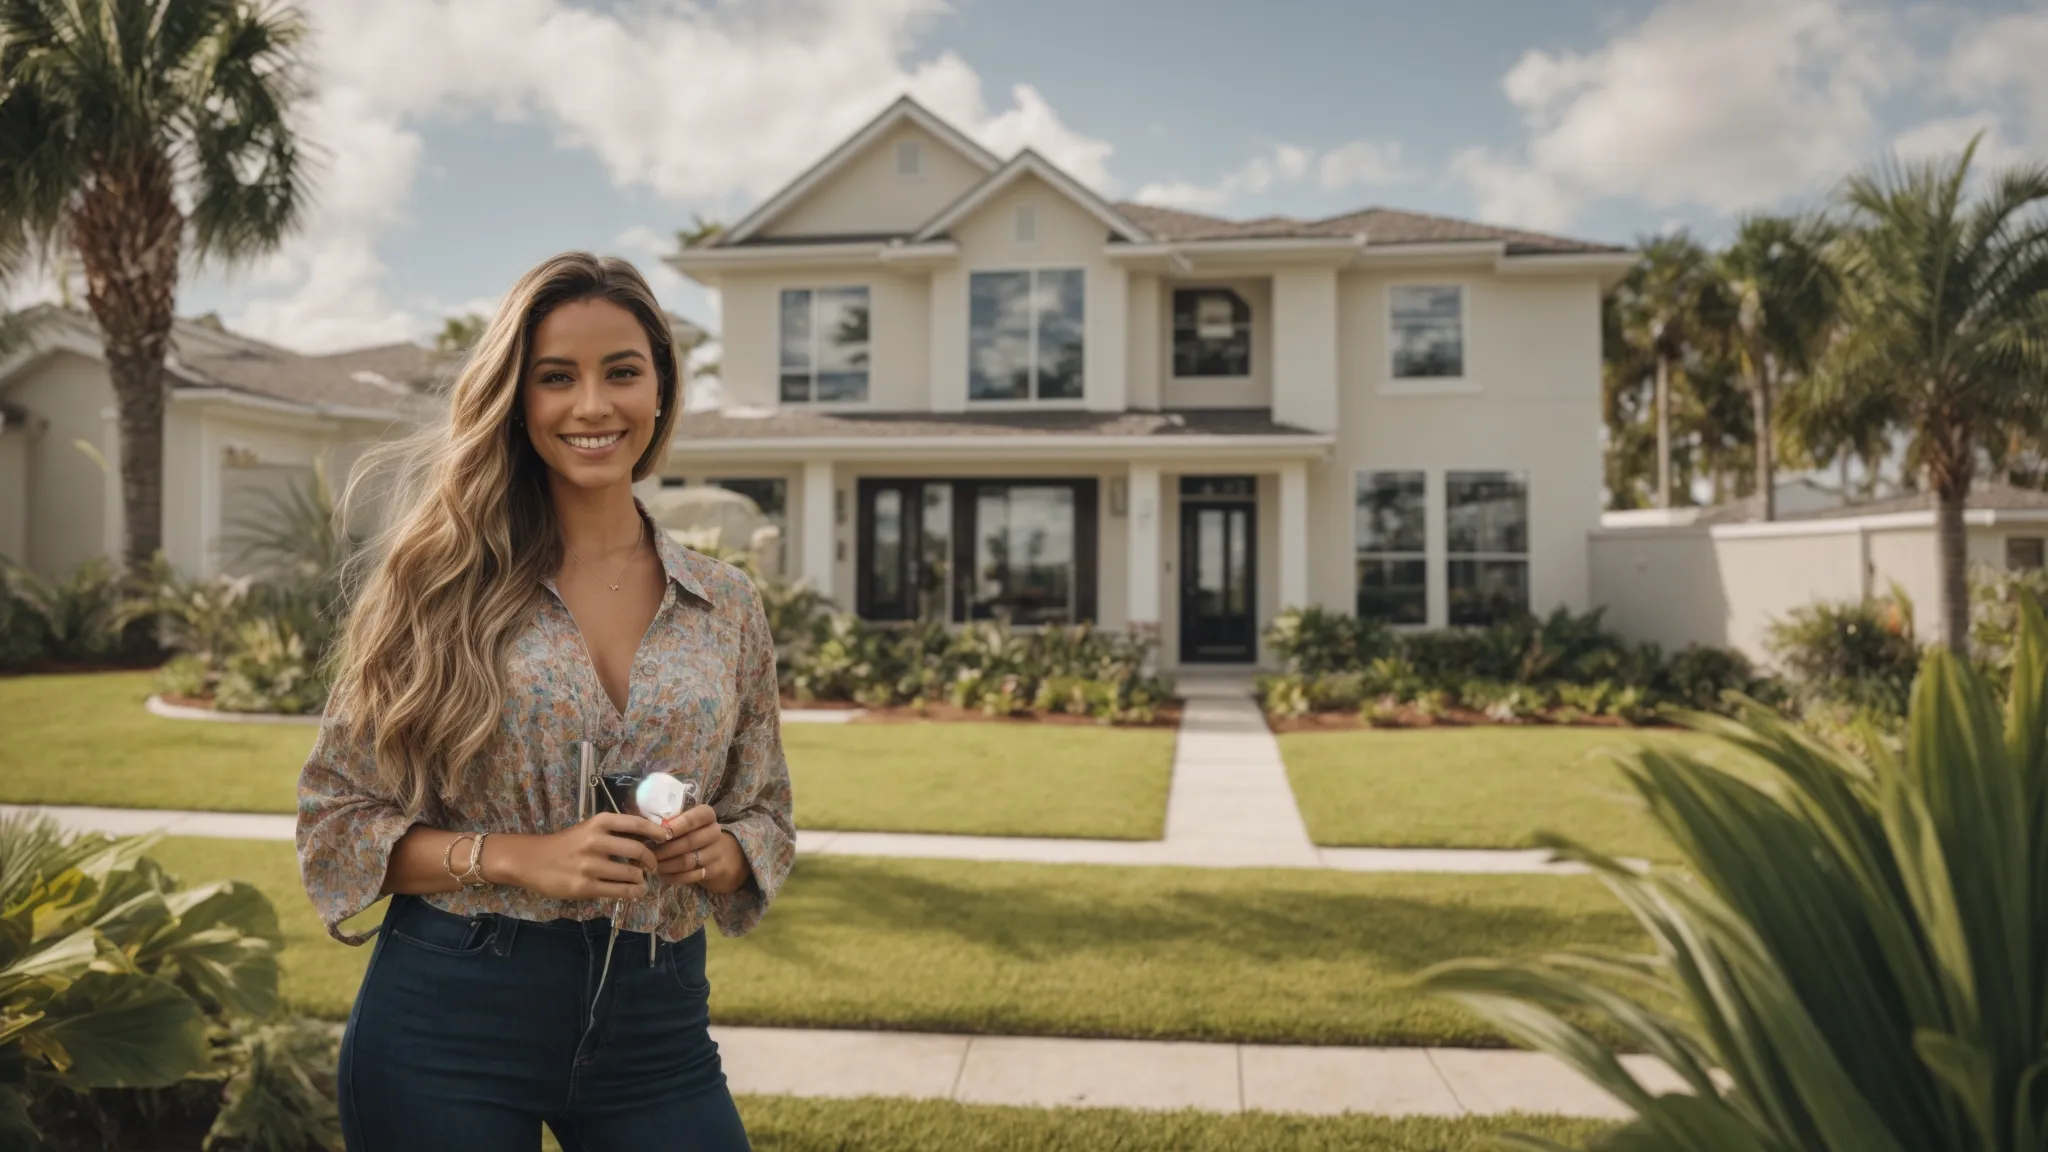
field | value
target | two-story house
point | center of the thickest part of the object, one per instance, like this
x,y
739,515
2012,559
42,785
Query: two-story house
x,y
970,388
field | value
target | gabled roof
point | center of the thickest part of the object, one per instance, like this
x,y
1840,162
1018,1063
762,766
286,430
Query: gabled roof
x,y
1031,163
904,110
1380,226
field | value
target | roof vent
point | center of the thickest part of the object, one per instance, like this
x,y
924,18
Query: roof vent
x,y
909,158
1027,223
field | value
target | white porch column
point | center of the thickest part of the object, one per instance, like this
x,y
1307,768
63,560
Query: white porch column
x,y
1141,520
1293,535
820,529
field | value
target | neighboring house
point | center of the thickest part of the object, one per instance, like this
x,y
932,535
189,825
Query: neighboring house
x,y
246,420
968,387
1720,576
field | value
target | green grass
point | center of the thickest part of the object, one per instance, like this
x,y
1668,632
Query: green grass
x,y
1293,956
1475,787
994,779
85,739
787,1124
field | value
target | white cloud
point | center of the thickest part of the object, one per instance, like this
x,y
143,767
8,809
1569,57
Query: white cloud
x,y
1946,137
2001,60
1359,163
1723,104
697,103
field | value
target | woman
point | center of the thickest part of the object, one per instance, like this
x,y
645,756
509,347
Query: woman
x,y
535,966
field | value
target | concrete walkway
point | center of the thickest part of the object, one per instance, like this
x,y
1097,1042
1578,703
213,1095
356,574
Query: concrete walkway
x,y
1048,1072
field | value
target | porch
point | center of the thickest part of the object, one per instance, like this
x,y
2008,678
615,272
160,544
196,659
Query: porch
x,y
1196,540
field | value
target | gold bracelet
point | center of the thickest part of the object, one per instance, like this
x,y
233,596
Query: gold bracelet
x,y
474,876
448,857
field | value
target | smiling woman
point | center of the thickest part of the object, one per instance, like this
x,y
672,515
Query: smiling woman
x,y
523,641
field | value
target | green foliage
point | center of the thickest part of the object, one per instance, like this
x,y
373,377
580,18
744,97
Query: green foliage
x,y
115,976
24,640
76,617
1995,597
1852,958
271,670
279,1091
987,667
1861,654
1560,667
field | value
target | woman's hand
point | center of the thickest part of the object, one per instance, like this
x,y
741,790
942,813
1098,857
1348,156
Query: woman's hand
x,y
703,853
578,863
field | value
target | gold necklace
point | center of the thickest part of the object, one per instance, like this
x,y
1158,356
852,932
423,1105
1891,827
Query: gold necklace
x,y
613,583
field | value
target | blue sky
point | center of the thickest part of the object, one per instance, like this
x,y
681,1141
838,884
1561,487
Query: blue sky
x,y
465,139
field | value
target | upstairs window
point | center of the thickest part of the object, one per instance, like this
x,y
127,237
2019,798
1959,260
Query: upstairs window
x,y
1212,333
1427,331
824,345
1025,335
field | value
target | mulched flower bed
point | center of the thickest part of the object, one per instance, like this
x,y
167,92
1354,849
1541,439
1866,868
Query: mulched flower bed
x,y
1453,718
1168,717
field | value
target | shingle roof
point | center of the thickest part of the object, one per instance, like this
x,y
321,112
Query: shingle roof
x,y
1379,226
802,423
1991,498
392,376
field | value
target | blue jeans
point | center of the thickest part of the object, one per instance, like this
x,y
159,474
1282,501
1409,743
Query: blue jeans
x,y
470,1032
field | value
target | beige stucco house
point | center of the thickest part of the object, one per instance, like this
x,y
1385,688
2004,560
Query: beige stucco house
x,y
245,419
970,387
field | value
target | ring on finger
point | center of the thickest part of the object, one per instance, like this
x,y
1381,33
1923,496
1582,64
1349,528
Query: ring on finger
x,y
696,859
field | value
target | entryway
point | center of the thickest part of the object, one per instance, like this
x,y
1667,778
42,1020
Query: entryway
x,y
1218,570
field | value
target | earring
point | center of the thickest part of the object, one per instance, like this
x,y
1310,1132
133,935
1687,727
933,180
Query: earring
x,y
657,413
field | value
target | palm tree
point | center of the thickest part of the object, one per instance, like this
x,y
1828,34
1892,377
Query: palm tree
x,y
700,232
1945,333
130,132
1659,305
1780,295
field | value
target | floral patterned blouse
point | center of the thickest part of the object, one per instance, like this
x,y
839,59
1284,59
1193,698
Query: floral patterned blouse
x,y
702,703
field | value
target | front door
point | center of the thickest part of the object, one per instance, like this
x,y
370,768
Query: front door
x,y
1218,581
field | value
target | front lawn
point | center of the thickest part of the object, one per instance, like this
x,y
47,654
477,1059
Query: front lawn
x,y
983,779
85,739
1291,956
789,1124
1482,787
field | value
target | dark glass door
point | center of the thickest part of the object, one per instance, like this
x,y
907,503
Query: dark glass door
x,y
1218,582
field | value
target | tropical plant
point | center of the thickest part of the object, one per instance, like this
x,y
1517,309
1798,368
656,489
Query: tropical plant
x,y
1852,957
271,669
1995,598
1945,293
80,616
111,972
136,133
1779,295
194,617
23,639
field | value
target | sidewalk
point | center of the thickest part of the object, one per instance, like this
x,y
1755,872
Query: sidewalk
x,y
1048,1072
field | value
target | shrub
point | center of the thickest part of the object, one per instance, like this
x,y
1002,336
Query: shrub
x,y
1700,676
1315,641
1995,595
78,617
1847,958
1857,653
23,638
116,981
271,670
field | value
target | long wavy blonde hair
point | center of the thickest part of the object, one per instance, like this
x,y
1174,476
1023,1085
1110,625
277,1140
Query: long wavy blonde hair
x,y
469,535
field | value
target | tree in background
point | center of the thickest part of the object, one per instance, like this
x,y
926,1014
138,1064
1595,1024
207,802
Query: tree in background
x,y
459,333
1944,336
1658,308
699,233
132,132
1775,308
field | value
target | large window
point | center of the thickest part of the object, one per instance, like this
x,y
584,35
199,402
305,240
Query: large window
x,y
1393,572
957,550
1427,331
1486,537
1025,335
1212,333
824,345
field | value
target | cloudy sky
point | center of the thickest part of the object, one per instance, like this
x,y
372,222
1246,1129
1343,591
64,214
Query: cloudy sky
x,y
462,140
